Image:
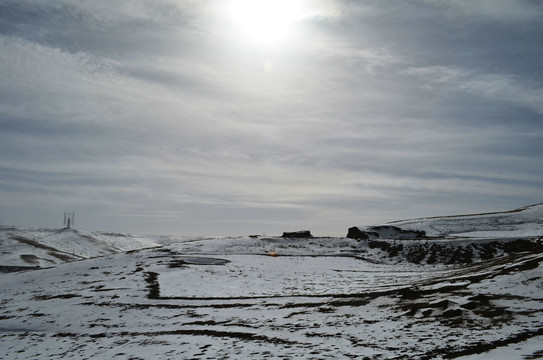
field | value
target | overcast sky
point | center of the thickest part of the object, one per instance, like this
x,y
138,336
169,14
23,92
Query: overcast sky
x,y
198,117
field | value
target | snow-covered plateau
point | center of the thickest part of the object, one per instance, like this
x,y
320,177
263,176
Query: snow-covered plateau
x,y
462,287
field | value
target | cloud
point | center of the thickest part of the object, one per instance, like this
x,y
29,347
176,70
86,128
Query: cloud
x,y
497,87
502,10
152,116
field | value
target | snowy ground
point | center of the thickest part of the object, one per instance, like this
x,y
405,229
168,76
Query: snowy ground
x,y
227,298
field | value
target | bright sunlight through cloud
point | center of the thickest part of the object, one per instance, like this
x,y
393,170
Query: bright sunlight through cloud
x,y
266,21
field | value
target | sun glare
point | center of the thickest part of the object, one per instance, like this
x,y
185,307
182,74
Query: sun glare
x,y
266,20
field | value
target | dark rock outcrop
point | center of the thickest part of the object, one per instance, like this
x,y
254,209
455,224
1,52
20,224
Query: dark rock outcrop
x,y
425,252
356,233
304,234
384,232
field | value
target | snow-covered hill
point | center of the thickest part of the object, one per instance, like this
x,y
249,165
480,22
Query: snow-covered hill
x,y
228,298
523,222
461,239
46,247
316,298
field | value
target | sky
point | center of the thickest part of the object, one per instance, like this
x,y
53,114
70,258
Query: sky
x,y
237,117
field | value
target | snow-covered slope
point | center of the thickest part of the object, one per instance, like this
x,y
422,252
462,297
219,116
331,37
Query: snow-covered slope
x,y
227,298
316,298
461,239
45,247
523,222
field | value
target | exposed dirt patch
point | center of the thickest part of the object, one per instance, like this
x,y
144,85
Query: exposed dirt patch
x,y
50,297
64,256
427,253
481,347
204,261
152,285
8,269
246,336
30,259
174,264
536,355
32,243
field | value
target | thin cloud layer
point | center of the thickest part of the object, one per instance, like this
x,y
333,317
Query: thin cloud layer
x,y
158,117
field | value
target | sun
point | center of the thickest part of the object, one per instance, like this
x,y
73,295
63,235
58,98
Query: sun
x,y
266,21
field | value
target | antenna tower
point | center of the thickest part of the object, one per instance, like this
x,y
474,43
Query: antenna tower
x,y
69,219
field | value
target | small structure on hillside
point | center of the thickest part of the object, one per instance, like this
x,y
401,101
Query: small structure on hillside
x,y
303,234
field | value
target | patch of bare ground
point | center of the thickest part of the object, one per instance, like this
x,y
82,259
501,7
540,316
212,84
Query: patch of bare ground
x,y
536,355
30,259
33,243
64,256
152,285
453,254
50,297
126,306
8,268
480,347
61,255
246,336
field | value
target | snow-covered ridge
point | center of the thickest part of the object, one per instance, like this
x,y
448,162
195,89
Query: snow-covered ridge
x,y
471,237
522,222
460,239
46,247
